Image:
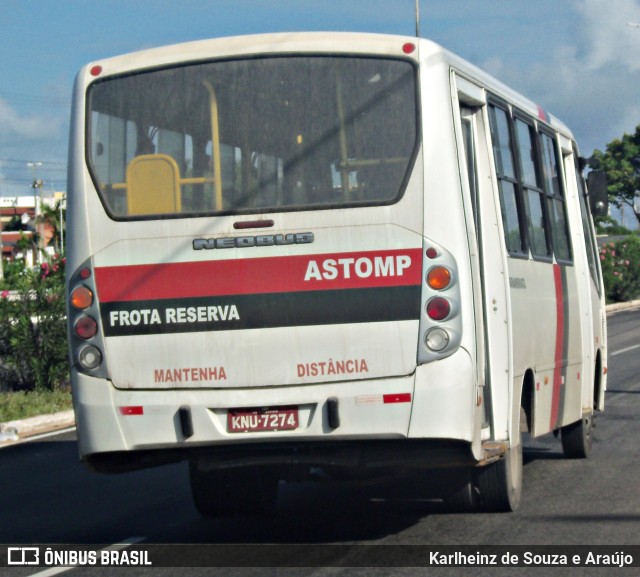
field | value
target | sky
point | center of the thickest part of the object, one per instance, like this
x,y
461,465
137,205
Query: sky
x,y
578,59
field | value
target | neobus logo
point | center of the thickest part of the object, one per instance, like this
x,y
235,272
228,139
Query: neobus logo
x,y
253,241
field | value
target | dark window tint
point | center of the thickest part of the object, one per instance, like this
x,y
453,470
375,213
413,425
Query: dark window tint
x,y
557,204
256,135
511,206
533,191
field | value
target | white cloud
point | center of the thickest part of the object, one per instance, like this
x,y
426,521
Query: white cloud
x,y
15,125
23,137
12,124
589,77
605,28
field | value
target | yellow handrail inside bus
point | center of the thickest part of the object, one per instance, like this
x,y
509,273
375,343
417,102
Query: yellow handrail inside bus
x,y
153,185
215,143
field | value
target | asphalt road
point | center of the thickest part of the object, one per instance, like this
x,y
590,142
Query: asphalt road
x,y
47,497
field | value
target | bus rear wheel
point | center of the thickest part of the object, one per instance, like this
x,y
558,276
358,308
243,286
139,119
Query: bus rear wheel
x,y
577,438
500,483
461,494
229,492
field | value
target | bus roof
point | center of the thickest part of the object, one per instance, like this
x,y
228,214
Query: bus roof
x,y
320,42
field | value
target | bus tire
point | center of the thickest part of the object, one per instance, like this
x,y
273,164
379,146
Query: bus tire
x,y
500,483
461,496
229,492
577,438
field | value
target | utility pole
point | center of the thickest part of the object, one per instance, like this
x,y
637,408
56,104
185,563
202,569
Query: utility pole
x,y
37,191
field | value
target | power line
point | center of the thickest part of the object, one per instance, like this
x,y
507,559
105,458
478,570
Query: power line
x,y
28,181
27,161
53,100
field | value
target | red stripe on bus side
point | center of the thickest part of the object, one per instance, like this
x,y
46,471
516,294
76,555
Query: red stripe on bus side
x,y
559,355
246,276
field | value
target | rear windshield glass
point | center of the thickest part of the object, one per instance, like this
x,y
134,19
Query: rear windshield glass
x,y
249,136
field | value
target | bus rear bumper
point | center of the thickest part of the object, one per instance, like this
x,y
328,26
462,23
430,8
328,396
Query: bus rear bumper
x,y
373,424
373,456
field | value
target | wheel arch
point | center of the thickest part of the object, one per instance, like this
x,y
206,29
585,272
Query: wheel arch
x,y
598,383
527,398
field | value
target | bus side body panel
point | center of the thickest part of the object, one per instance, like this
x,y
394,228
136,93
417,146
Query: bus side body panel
x,y
546,318
446,391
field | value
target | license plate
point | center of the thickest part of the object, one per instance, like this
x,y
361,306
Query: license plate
x,y
269,419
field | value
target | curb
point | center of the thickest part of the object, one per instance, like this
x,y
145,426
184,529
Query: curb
x,y
615,307
22,429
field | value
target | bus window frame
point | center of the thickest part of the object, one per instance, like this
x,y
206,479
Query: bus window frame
x,y
552,198
410,166
519,116
495,103
513,114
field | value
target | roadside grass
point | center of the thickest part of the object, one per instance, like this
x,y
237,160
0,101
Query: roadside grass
x,y
22,405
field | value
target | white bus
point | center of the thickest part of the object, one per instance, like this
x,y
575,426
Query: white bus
x,y
348,252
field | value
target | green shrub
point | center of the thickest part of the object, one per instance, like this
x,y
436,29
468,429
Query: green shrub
x,y
23,404
33,340
620,261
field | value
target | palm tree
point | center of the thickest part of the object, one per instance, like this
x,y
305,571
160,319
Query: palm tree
x,y
49,227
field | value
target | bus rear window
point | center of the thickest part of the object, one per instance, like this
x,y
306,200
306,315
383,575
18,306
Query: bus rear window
x,y
257,135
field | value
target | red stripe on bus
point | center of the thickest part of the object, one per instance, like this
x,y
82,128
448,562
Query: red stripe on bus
x,y
370,269
542,114
559,354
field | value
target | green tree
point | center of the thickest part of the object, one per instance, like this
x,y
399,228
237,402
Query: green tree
x,y
621,163
33,345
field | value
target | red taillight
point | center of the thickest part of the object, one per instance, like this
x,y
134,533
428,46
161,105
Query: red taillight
x,y
96,70
431,252
86,328
438,308
441,325
408,48
84,323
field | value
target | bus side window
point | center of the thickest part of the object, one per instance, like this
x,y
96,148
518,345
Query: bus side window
x,y
587,227
466,116
556,201
510,202
534,196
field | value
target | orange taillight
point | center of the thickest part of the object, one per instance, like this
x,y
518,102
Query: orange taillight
x,y
439,278
81,298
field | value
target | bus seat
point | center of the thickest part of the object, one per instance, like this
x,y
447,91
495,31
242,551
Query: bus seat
x,y
153,185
